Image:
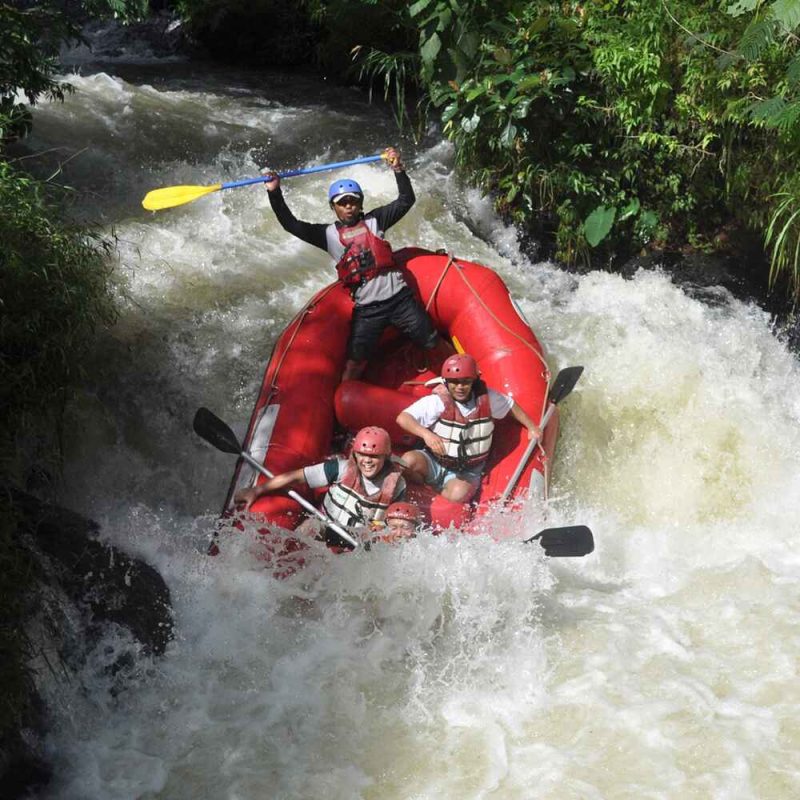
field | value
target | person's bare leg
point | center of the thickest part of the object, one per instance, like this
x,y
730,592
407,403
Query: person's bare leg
x,y
415,466
458,491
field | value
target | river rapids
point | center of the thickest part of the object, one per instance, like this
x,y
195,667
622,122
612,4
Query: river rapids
x,y
664,665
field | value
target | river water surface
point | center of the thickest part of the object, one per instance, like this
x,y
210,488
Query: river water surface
x,y
664,665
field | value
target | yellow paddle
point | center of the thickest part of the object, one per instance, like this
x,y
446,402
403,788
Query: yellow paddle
x,y
172,196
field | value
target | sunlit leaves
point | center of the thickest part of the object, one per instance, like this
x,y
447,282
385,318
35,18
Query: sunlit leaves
x,y
470,124
508,134
786,13
598,224
740,7
415,9
629,210
430,49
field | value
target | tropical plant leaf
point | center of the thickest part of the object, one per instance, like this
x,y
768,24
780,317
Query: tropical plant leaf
x,y
758,35
793,71
508,135
431,49
739,7
786,13
417,8
469,124
787,119
528,82
629,210
766,112
598,224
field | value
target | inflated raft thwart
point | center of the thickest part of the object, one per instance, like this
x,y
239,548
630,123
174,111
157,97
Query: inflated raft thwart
x,y
304,415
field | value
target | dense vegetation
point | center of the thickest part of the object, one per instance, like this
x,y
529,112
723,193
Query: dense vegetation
x,y
54,293
623,123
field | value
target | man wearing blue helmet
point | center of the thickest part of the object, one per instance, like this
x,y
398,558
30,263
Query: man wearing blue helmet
x,y
364,262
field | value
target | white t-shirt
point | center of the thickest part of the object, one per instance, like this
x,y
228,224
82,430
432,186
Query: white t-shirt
x,y
327,472
428,409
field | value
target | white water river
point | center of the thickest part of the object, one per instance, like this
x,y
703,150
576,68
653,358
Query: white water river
x,y
664,665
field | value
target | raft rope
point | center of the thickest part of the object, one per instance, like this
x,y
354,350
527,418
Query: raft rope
x,y
460,271
450,260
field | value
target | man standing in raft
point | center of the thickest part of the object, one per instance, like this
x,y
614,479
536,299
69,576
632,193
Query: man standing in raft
x,y
365,263
456,423
362,487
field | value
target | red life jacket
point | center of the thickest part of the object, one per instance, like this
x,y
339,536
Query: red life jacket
x,y
347,501
467,440
365,255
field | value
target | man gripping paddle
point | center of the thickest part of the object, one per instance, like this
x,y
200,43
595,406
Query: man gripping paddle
x,y
364,262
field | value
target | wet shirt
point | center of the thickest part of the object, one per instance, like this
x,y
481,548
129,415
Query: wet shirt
x,y
382,286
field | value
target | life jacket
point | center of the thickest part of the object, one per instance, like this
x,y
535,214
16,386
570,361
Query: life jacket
x,y
467,440
364,254
347,502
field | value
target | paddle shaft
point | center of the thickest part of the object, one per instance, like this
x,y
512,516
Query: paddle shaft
x,y
526,456
303,502
304,171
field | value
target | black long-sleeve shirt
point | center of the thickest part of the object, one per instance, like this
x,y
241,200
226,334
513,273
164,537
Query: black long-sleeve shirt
x,y
382,286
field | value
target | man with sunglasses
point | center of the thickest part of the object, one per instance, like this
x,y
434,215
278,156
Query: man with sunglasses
x,y
456,423
364,262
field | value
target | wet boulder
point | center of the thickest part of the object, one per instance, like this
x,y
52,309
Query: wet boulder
x,y
79,596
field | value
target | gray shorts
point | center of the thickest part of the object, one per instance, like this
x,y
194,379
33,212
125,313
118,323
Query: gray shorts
x,y
439,475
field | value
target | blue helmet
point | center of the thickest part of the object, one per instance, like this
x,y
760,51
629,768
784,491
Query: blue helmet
x,y
343,187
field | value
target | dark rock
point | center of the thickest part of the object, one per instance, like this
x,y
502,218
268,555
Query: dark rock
x,y
78,589
23,771
159,35
113,586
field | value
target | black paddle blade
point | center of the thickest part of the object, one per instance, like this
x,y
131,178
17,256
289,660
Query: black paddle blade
x,y
564,383
572,541
211,428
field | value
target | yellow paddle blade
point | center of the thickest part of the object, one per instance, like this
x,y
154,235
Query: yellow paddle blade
x,y
176,196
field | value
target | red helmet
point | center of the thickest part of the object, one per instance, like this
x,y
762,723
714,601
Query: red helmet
x,y
402,510
372,441
459,367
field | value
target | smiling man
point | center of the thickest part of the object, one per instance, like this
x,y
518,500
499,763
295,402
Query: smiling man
x,y
456,423
364,262
362,487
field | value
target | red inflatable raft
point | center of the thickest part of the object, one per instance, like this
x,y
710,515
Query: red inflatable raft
x,y
303,414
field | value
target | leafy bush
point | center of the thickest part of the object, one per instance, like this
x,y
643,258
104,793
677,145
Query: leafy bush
x,y
54,292
627,123
28,50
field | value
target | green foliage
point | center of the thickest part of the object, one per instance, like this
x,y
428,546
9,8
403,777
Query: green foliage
x,y
29,45
28,51
598,224
352,30
54,292
768,47
783,234
632,124
396,71
124,10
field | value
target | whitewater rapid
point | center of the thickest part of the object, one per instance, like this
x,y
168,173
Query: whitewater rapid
x,y
664,665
